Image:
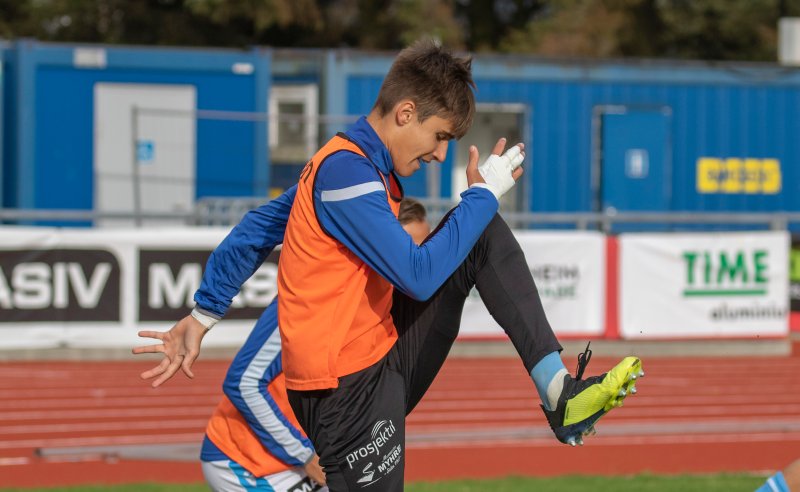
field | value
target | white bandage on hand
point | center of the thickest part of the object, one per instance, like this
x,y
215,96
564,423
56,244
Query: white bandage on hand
x,y
204,319
496,171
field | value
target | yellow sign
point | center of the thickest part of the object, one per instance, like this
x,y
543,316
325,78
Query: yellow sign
x,y
734,175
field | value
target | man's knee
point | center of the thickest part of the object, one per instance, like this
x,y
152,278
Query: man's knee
x,y
497,241
497,227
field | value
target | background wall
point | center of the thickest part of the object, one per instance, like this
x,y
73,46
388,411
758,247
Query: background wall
x,y
50,132
621,136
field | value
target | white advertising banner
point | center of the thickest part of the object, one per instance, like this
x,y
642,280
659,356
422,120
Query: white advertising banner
x,y
704,285
98,288
570,273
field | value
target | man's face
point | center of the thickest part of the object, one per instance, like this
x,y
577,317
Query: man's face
x,y
417,142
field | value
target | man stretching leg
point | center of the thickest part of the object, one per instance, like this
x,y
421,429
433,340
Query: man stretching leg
x,y
367,317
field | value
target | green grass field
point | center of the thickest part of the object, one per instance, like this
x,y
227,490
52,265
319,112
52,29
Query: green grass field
x,y
636,483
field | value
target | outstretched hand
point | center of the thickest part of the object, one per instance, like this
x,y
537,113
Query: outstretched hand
x,y
180,346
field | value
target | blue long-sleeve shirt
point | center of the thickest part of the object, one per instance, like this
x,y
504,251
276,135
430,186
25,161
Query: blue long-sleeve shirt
x,y
247,384
351,205
241,253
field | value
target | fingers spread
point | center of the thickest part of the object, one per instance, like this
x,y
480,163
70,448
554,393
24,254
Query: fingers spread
x,y
148,349
186,365
515,156
156,371
499,146
172,368
513,152
473,156
152,334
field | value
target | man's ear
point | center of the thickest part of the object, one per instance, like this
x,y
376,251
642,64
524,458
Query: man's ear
x,y
404,112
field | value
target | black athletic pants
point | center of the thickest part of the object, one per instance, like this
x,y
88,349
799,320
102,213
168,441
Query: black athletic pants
x,y
358,429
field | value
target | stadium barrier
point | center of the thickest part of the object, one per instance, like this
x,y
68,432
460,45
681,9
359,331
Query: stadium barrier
x,y
72,287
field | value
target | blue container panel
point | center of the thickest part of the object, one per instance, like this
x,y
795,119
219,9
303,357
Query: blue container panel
x,y
225,148
7,171
560,175
361,93
64,140
634,169
11,105
284,176
733,121
714,113
225,158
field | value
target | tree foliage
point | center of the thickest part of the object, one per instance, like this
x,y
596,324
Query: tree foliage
x,y
691,29
698,29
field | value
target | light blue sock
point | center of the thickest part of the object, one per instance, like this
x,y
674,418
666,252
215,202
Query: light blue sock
x,y
775,483
548,376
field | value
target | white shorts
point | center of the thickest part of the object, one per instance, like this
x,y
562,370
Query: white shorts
x,y
229,476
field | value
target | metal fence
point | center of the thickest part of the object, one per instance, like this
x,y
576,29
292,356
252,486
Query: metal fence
x,y
141,195
227,212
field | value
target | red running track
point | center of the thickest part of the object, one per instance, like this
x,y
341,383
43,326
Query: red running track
x,y
480,419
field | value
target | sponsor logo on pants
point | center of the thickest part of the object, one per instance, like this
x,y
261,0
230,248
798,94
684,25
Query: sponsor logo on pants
x,y
374,459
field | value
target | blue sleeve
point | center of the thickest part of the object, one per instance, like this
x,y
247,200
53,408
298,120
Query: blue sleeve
x,y
775,483
352,207
256,364
242,252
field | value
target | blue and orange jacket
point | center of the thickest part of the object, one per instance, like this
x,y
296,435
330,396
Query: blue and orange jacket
x,y
254,425
323,286
344,251
365,225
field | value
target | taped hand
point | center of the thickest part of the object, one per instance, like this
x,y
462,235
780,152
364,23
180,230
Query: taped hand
x,y
498,171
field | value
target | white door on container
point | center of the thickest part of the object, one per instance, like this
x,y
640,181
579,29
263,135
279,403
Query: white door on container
x,y
144,149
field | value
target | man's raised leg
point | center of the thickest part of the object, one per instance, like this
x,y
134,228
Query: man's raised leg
x,y
497,266
427,329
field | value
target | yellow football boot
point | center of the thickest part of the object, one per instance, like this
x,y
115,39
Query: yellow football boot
x,y
584,401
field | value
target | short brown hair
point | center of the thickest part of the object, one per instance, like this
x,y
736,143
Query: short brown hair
x,y
411,211
438,82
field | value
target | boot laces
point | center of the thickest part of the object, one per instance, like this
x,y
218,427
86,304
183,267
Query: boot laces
x,y
583,361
